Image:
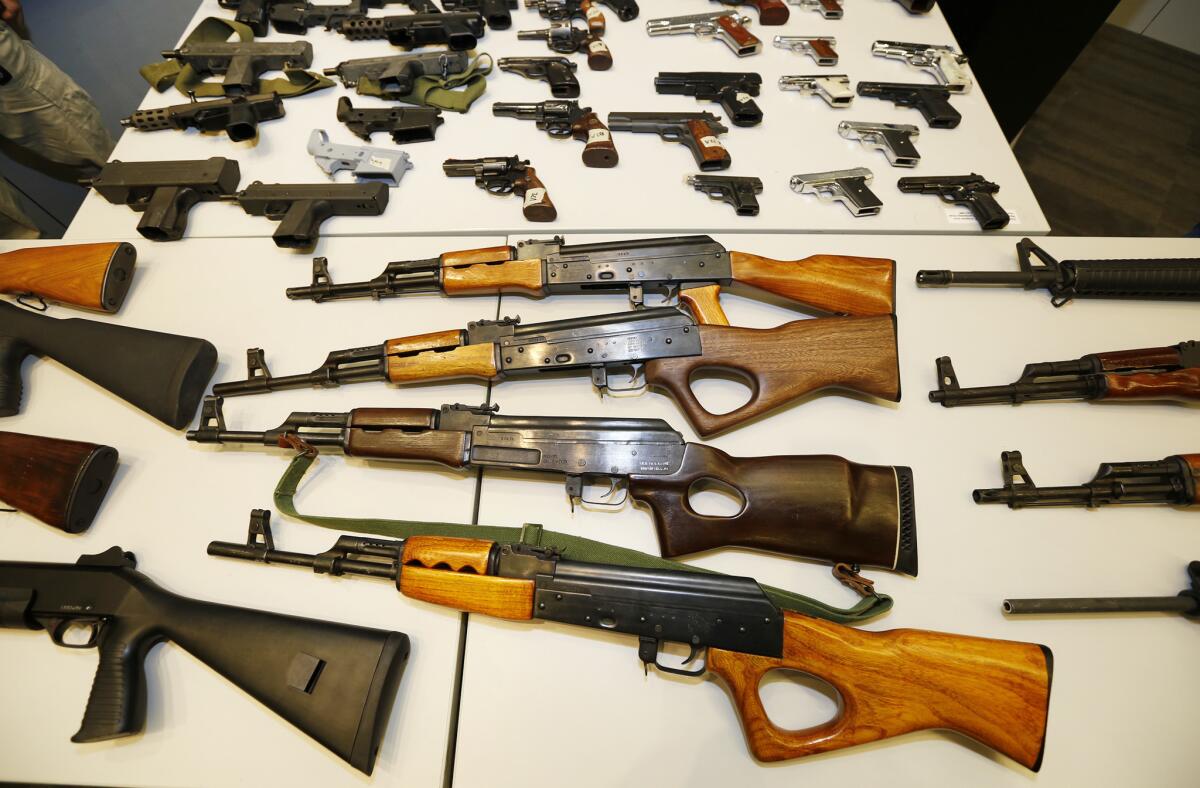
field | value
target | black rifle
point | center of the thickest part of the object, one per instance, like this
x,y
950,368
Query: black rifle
x,y
1158,373
559,72
460,31
1174,481
562,119
237,116
335,682
973,191
242,62
731,89
495,12
164,191
1157,280
395,74
1186,602
736,191
301,208
405,124
933,101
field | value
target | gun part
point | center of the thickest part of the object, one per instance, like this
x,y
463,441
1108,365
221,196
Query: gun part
x,y
405,124
849,187
770,12
564,37
973,191
1160,373
830,9
503,175
242,62
1171,481
301,208
396,74
944,62
1158,280
1186,602
458,31
59,482
164,191
626,10
92,276
893,139
494,12
237,116
732,89
367,164
697,131
736,191
559,72
561,119
586,11
297,16
917,6
932,101
833,88
728,27
819,48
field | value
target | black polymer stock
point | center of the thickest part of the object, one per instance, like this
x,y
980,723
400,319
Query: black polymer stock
x,y
237,116
335,682
459,31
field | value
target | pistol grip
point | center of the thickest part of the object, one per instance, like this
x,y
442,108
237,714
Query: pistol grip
x,y
537,206
116,706
301,224
12,354
710,154
989,213
740,108
166,214
598,150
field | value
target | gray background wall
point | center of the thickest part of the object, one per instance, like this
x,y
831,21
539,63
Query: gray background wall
x,y
101,44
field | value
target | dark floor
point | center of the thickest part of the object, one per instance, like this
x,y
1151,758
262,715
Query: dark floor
x,y
1115,148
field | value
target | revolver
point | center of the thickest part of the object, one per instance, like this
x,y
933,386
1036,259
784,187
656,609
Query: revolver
x,y
501,175
565,38
586,11
849,187
973,191
567,119
947,64
558,71
729,27
696,130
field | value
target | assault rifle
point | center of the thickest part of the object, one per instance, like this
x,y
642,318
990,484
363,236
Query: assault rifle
x,y
659,348
821,507
890,683
689,268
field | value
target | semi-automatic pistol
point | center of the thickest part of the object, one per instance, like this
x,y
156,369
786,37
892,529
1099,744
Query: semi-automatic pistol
x,y
737,191
833,88
894,139
819,48
849,187
947,64
830,9
728,27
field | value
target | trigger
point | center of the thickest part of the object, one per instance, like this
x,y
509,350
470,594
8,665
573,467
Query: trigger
x,y
74,633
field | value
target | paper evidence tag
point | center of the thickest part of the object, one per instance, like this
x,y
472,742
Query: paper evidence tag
x,y
534,197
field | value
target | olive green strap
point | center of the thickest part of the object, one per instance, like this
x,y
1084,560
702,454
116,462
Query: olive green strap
x,y
295,81
575,548
443,93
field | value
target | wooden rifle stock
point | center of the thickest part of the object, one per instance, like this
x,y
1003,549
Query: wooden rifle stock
x,y
60,482
836,284
783,364
891,683
92,276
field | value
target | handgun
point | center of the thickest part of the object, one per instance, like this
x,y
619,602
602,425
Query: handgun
x,y
973,191
567,39
822,49
728,27
932,101
697,131
834,89
566,118
558,72
849,187
893,139
732,89
944,62
736,191
503,175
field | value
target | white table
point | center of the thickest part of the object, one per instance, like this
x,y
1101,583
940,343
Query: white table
x,y
645,192
542,703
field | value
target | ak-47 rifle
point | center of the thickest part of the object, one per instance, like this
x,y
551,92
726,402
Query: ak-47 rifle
x,y
820,507
890,683
689,268
665,346
92,276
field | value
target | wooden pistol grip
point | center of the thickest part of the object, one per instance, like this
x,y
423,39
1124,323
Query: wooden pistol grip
x,y
468,361
92,276
996,692
452,553
599,56
771,12
596,23
831,283
502,597
60,482
823,50
445,447
537,206
510,276
1192,461
783,364
746,42
598,149
710,153
820,507
705,304
1141,358
1182,385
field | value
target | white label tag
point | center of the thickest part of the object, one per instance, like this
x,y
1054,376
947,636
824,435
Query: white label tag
x,y
710,142
960,214
534,197
597,46
593,12
599,135
376,161
743,98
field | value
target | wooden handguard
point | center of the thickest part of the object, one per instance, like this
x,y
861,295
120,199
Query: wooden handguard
x,y
60,482
598,150
440,355
783,364
537,206
490,271
92,276
836,284
452,572
404,434
1181,385
891,683
712,153
820,507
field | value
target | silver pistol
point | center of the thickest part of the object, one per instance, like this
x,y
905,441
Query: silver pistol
x,y
947,64
834,88
849,187
894,139
819,48
830,9
727,26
